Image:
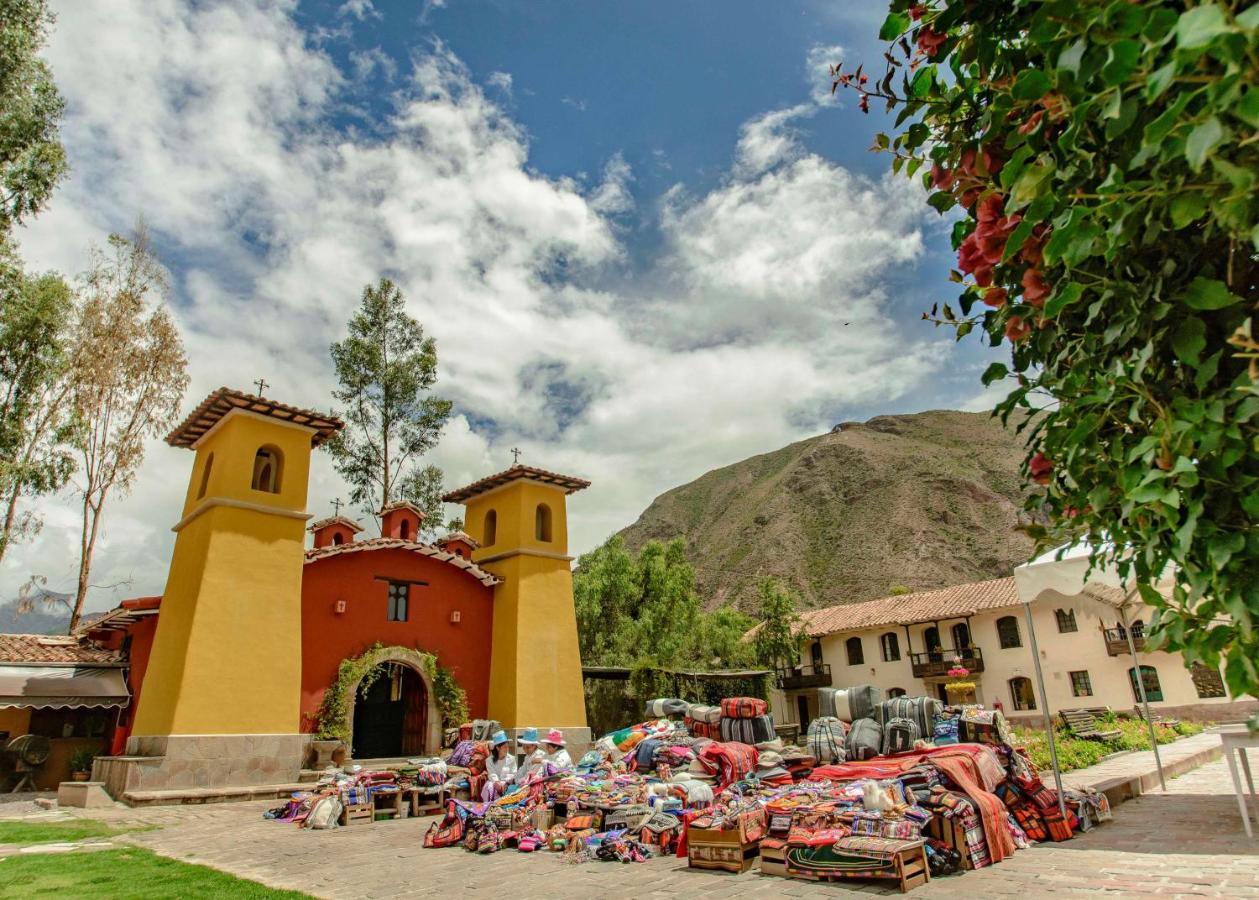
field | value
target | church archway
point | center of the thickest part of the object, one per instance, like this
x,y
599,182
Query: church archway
x,y
396,715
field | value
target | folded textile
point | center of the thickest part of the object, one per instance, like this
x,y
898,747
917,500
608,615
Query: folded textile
x,y
743,707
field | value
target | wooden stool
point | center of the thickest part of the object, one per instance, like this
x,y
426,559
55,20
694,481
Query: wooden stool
x,y
387,804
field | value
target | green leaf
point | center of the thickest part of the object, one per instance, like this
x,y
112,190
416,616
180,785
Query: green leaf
x,y
1202,140
1015,241
994,372
1069,59
1065,295
1031,183
921,84
1199,26
1032,84
941,201
1247,109
894,26
1187,206
1122,62
1160,127
1159,80
1249,18
1190,340
1208,293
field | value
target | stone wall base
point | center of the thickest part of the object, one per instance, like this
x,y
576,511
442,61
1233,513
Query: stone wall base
x,y
201,761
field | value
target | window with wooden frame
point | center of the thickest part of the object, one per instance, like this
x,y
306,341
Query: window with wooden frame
x,y
1081,686
399,600
1066,621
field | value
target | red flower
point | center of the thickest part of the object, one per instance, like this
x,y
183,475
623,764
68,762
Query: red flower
x,y
1034,246
983,276
968,161
993,160
916,11
968,254
1016,329
970,196
1032,123
929,42
1040,468
990,208
941,178
996,297
1035,288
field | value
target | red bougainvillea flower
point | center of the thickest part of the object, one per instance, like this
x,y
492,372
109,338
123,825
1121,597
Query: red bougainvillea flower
x,y
941,178
1035,288
968,161
1032,123
916,11
983,276
990,208
1016,329
1040,468
969,197
996,297
993,160
929,42
1033,247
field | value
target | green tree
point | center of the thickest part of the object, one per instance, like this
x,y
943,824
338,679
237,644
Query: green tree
x,y
32,159
128,374
644,611
1099,163
36,421
386,369
777,641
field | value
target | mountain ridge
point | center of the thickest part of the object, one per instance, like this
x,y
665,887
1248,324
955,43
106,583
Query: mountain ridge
x,y
919,501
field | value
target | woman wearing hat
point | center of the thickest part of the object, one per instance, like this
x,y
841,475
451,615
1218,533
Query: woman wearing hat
x,y
531,756
556,756
500,768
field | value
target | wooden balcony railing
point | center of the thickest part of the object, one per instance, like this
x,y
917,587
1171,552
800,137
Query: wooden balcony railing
x,y
804,677
1117,640
934,663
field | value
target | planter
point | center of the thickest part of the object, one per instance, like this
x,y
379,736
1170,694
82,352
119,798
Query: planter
x,y
80,776
326,753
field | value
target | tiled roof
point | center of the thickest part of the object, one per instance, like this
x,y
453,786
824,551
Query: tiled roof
x,y
128,612
908,609
459,536
44,648
568,483
384,543
224,400
336,520
400,504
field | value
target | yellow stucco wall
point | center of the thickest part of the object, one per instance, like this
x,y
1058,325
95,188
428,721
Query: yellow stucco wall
x,y
535,665
227,653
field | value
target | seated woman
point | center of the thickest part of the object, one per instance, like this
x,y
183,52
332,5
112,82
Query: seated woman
x,y
556,756
500,768
531,756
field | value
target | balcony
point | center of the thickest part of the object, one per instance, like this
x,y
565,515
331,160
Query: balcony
x,y
1117,640
801,677
935,663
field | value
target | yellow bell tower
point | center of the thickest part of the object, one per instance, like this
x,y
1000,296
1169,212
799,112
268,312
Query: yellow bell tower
x,y
226,657
519,518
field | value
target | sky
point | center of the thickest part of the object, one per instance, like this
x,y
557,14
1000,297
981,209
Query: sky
x,y
647,239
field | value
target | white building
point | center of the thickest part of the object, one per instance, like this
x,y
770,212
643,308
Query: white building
x,y
906,644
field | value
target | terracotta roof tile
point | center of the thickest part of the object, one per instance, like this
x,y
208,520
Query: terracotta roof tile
x,y
568,483
44,648
224,400
908,609
336,520
459,536
384,543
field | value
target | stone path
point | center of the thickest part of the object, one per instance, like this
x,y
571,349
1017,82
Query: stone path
x,y
1187,842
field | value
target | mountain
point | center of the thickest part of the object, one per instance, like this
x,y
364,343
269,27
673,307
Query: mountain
x,y
37,621
915,501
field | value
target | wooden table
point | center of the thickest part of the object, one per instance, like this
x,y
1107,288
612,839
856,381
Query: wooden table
x,y
417,807
1236,740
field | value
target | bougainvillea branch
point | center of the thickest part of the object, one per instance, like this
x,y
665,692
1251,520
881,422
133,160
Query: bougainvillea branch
x,y
1099,165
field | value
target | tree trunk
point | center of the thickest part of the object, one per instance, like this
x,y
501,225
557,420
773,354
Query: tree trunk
x,y
10,514
88,545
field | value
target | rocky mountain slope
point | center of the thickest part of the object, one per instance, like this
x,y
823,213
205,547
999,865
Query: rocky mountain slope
x,y
915,501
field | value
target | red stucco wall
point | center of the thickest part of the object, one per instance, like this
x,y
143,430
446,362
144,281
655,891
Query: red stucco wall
x,y
329,637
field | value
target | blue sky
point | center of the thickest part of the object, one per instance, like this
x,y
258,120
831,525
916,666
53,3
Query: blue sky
x,y
647,240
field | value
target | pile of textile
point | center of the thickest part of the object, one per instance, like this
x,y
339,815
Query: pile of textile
x,y
336,789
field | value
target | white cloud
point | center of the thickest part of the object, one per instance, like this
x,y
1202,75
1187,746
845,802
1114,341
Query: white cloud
x,y
763,313
359,9
500,80
817,72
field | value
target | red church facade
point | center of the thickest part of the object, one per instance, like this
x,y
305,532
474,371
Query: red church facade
x,y
393,591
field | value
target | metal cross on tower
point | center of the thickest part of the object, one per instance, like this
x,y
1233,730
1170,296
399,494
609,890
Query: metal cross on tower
x,y
515,455
262,386
336,506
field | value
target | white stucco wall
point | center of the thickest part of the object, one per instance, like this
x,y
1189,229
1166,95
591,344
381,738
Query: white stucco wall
x,y
1061,653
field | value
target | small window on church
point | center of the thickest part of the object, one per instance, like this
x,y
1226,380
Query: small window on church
x,y
337,540
205,476
491,528
542,523
267,463
399,594
404,530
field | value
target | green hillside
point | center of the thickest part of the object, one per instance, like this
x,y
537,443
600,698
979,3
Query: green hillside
x,y
919,501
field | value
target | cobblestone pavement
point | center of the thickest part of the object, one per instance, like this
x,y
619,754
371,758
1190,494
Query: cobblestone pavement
x,y
1188,842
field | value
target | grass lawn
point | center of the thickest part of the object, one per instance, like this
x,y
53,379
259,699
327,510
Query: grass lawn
x,y
22,832
123,874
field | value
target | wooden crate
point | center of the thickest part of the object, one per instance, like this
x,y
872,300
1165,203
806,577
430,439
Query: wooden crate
x,y
909,869
387,805
774,857
727,851
950,833
357,814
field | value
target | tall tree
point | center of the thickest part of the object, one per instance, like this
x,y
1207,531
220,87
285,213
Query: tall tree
x,y
129,375
36,421
778,638
386,368
32,159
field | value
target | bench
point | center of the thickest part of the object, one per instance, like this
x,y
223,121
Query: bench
x,y
1082,725
1156,719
